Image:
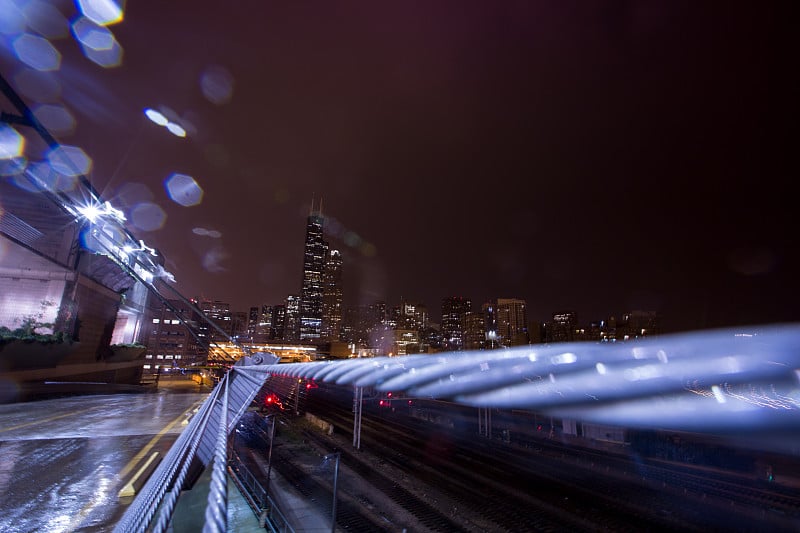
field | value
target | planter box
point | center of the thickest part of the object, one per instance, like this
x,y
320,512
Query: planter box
x,y
121,353
19,354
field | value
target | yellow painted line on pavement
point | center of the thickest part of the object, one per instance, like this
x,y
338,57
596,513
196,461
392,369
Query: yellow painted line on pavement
x,y
81,516
147,447
45,420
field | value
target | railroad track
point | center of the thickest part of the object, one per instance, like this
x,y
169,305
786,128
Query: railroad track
x,y
432,518
608,505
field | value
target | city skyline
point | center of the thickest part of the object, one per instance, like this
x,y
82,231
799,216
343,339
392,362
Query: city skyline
x,y
588,158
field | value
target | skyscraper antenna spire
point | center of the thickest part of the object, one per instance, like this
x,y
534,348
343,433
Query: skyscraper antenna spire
x,y
320,207
311,211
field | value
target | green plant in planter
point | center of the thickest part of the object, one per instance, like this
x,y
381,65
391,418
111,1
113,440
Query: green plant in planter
x,y
29,326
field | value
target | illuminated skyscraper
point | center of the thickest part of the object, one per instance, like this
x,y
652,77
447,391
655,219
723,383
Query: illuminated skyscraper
x,y
562,329
512,321
332,297
474,330
454,310
316,250
291,321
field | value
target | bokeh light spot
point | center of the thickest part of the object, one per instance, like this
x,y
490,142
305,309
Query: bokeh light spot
x,y
352,239
98,43
69,160
92,36
38,86
176,130
131,194
183,190
12,19
13,166
148,217
203,232
46,19
102,12
12,143
109,58
36,52
212,260
156,117
27,181
217,84
368,249
49,179
55,118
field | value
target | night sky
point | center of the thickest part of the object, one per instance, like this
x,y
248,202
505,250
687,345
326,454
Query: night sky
x,y
599,157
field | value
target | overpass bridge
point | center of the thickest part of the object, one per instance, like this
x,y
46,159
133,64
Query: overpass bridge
x,y
731,381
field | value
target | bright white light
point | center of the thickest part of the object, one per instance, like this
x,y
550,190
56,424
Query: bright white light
x,y
156,117
176,130
91,212
102,12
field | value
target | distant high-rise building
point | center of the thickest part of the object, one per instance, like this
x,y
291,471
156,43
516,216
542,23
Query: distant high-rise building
x,y
490,321
349,332
253,316
412,316
314,255
512,321
332,297
238,324
454,310
278,323
562,329
170,340
291,324
474,330
637,324
220,314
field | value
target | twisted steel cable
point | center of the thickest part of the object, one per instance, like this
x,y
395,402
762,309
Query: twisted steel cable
x,y
216,516
730,379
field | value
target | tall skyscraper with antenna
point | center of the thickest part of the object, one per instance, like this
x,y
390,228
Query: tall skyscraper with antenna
x,y
315,252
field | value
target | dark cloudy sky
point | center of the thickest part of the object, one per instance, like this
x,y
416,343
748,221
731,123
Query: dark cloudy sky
x,y
594,156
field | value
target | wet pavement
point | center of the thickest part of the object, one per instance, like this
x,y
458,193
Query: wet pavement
x,y
63,461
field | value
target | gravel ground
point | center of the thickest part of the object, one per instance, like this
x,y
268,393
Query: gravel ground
x,y
352,487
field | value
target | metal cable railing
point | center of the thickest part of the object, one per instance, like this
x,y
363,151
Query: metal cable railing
x,y
736,380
